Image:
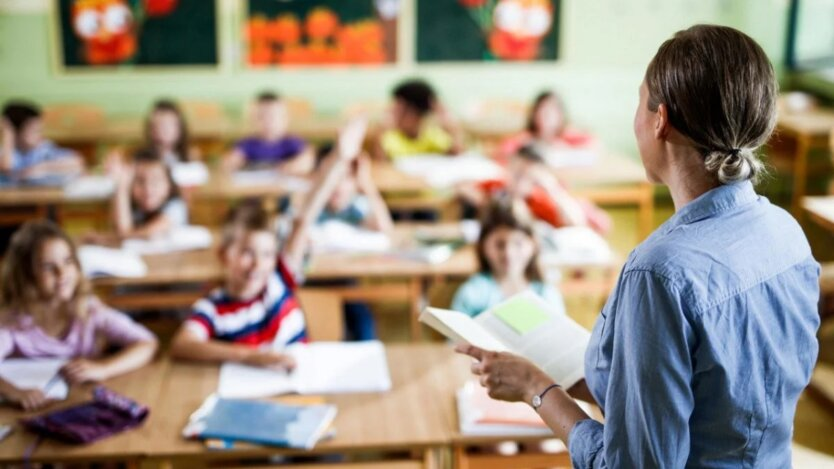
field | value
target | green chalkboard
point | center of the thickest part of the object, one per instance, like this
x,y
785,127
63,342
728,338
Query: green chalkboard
x,y
487,30
107,33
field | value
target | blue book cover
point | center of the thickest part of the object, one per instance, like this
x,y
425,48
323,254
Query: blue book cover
x,y
261,422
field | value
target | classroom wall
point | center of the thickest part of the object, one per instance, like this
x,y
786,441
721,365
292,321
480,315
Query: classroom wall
x,y
605,47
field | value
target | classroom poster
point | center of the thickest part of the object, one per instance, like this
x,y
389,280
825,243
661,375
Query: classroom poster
x,y
320,32
106,33
487,30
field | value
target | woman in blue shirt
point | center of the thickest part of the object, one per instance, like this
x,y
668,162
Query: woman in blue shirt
x,y
700,354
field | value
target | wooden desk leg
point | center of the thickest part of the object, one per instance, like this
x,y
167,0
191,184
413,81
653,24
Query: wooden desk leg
x,y
435,458
461,459
418,292
645,211
800,176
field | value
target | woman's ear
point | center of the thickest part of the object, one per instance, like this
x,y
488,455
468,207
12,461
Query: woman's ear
x,y
661,122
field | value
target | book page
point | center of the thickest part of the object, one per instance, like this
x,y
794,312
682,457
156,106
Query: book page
x,y
41,373
247,382
460,328
550,339
340,367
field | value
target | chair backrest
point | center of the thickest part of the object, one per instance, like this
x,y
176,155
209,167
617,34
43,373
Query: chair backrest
x,y
323,312
72,115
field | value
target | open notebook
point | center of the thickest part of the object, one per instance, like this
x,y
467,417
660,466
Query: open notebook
x,y
321,368
100,261
480,415
36,373
524,325
443,171
266,423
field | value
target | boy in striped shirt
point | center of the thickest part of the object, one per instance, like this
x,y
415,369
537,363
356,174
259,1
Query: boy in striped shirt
x,y
255,314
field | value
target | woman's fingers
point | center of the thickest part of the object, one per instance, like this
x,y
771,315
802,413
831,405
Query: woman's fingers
x,y
471,350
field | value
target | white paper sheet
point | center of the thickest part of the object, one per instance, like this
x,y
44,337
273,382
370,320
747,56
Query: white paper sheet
x,y
90,187
443,171
338,236
183,238
98,261
193,173
42,373
574,245
322,368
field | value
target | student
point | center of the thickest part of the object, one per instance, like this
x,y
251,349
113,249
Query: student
x,y
255,314
47,310
530,179
547,128
412,130
353,198
25,153
166,131
508,263
147,202
270,145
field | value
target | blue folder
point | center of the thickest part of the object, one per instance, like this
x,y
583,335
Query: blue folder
x,y
261,422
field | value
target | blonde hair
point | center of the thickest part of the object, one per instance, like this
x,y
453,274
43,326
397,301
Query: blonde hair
x,y
720,91
18,280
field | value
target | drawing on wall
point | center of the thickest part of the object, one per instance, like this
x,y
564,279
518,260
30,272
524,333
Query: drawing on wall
x,y
487,30
320,32
107,33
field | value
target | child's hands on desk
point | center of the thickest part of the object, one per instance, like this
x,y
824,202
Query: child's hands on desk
x,y
82,370
270,359
28,399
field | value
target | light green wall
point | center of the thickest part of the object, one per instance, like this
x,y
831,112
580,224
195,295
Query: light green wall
x,y
606,45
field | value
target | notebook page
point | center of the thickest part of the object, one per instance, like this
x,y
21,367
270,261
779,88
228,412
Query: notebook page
x,y
340,367
551,340
246,382
41,373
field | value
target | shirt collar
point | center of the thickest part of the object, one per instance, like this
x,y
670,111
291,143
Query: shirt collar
x,y
724,198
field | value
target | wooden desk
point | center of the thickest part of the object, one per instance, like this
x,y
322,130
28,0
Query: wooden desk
x,y
810,130
416,416
143,385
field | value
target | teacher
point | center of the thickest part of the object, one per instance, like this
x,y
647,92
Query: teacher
x,y
700,354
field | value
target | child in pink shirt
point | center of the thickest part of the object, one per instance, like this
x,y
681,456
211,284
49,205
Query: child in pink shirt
x,y
46,310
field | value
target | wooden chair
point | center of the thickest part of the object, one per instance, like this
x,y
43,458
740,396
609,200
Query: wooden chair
x,y
66,120
323,312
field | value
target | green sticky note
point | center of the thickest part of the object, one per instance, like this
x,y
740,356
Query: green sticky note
x,y
522,315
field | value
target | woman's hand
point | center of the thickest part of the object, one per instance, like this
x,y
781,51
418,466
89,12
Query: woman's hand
x,y
506,376
82,370
29,399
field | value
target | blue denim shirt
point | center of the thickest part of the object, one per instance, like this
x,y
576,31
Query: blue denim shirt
x,y
700,354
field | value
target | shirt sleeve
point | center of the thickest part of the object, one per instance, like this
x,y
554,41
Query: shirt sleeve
x,y
118,328
439,140
649,399
6,343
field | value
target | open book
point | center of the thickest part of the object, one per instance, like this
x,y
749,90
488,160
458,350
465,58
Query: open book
x,y
36,373
523,325
321,368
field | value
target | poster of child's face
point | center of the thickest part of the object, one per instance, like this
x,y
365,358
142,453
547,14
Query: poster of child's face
x,y
487,30
108,33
